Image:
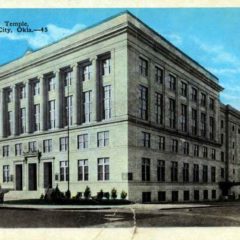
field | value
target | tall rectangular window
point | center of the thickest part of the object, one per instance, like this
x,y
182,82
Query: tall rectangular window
x,y
82,141
203,99
32,146
63,144
183,117
10,123
213,154
158,108
143,67
174,145
195,173
213,174
211,127
185,172
6,173
222,156
36,117
145,169
194,94
161,171
103,169
83,170
103,139
203,125
172,113
196,150
51,114
172,82
205,173
158,75
194,121
67,78
64,171
211,103
5,151
143,103
68,111
36,88
146,139
22,120
161,143
51,81
87,72
18,149
174,172
107,102
87,106
186,148
205,152
183,89
22,91
47,145
106,66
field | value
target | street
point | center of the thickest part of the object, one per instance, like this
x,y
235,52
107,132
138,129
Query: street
x,y
224,215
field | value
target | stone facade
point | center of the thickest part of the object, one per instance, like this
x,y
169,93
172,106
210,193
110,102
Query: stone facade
x,y
141,116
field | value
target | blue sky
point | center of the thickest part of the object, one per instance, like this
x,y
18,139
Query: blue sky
x,y
209,36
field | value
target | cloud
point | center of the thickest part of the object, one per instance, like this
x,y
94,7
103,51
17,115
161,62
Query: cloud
x,y
174,38
224,71
40,39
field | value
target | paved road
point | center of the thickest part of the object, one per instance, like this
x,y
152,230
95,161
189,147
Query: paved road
x,y
228,215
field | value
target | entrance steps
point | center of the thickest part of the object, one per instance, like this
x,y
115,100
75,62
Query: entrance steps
x,y
20,195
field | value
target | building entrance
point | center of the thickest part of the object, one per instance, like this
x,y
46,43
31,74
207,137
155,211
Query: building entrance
x,y
32,176
47,175
19,175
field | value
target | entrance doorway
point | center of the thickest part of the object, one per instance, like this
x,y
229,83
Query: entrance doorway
x,y
47,175
19,182
32,176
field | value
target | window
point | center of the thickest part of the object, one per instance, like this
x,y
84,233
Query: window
x,y
83,170
63,143
68,111
10,123
36,88
205,194
143,103
214,194
183,117
222,124
161,171
211,128
82,141
196,150
47,145
67,78
205,152
172,82
172,111
203,99
174,145
213,174
51,81
158,75
32,146
233,128
146,142
103,169
106,66
103,139
211,103
36,117
64,171
205,173
158,108
107,102
194,121
213,154
186,148
195,173
87,106
5,151
145,169
146,197
174,172
196,195
22,91
18,149
203,125
143,67
161,196
87,72
183,89
6,173
186,195
161,142
51,114
174,196
222,138
222,173
194,94
185,172
222,156
22,120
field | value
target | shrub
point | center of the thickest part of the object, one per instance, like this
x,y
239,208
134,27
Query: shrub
x,y
114,193
87,193
68,194
56,194
106,195
123,195
42,196
100,195
79,195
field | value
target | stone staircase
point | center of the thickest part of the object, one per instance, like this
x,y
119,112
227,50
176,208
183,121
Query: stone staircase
x,y
19,195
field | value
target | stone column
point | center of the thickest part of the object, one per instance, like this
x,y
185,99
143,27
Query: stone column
x,y
15,120
58,110
2,113
28,109
94,79
76,99
42,104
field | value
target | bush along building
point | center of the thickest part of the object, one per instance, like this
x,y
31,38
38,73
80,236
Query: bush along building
x,y
116,106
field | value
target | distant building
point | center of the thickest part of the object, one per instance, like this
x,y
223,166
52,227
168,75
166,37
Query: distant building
x,y
141,116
